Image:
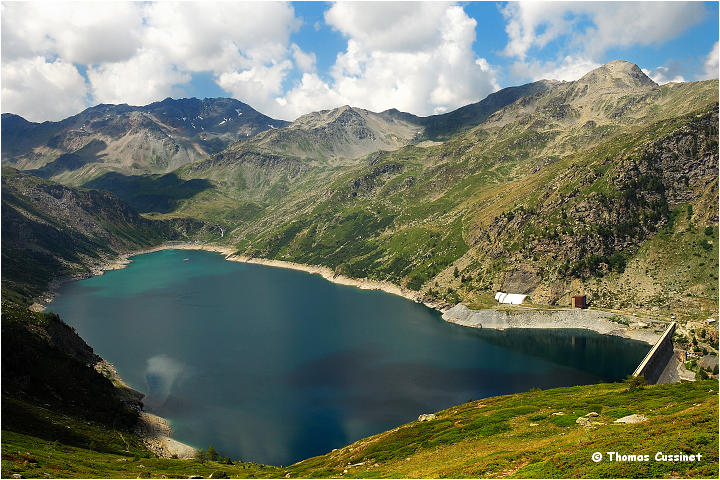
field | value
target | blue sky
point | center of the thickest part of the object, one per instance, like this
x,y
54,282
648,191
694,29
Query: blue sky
x,y
286,59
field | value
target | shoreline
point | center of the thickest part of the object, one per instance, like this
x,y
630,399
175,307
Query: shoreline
x,y
599,324
594,320
530,318
325,272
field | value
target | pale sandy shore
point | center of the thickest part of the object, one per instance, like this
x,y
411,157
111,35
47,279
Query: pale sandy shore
x,y
326,273
597,321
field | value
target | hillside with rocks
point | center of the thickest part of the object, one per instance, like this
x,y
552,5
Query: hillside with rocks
x,y
51,231
554,194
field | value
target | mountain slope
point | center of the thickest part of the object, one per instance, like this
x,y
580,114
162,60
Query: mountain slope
x,y
527,435
51,231
156,138
554,194
344,132
441,127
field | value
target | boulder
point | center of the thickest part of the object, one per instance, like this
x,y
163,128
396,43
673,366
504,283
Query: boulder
x,y
709,361
426,417
582,421
634,418
592,414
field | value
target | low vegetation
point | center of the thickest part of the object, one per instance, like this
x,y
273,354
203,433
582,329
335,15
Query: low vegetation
x,y
527,435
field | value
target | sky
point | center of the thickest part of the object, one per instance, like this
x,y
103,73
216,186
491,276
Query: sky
x,y
288,59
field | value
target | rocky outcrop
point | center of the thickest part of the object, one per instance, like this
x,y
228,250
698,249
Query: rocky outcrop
x,y
634,418
156,432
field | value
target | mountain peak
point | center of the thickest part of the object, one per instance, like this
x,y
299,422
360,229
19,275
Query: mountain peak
x,y
617,74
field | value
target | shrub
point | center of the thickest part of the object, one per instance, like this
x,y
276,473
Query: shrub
x,y
200,455
212,454
635,382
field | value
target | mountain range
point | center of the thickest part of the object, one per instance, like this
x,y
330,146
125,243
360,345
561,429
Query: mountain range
x,y
156,138
606,186
549,189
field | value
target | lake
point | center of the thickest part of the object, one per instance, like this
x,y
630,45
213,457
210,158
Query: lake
x,y
274,365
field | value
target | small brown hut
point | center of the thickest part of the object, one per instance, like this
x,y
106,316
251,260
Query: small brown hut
x,y
579,301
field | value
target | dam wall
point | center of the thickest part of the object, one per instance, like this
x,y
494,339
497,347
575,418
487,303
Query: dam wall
x,y
655,362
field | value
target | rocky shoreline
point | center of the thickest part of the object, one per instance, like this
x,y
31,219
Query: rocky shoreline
x,y
325,272
606,323
520,317
156,432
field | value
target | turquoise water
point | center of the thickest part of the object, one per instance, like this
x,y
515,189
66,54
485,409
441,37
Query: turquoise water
x,y
274,365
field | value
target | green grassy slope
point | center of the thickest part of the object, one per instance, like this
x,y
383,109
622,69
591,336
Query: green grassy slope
x,y
414,215
515,436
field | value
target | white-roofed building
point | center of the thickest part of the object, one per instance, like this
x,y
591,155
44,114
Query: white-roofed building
x,y
510,298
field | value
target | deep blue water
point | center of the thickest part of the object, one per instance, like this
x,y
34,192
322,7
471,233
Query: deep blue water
x,y
274,365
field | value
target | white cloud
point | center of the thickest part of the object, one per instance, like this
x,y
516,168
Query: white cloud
x,y
142,79
568,69
662,75
311,94
595,27
41,90
390,26
141,52
220,37
414,57
260,84
305,62
711,63
81,32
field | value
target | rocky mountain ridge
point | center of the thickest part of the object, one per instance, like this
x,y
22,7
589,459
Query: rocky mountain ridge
x,y
155,138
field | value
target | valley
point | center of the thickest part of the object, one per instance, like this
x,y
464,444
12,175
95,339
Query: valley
x,y
606,186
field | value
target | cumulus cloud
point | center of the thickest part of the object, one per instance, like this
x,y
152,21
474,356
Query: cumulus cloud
x,y
137,52
568,69
591,28
663,74
414,57
417,57
42,90
219,37
83,32
260,83
711,63
142,79
304,61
